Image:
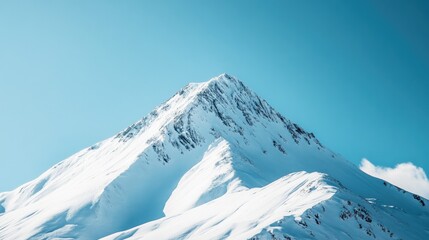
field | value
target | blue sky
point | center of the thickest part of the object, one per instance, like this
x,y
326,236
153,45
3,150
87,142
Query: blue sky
x,y
75,72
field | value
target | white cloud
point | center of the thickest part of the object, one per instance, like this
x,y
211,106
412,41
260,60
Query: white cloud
x,y
404,175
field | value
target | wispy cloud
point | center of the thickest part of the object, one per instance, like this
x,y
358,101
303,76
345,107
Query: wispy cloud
x,y
404,175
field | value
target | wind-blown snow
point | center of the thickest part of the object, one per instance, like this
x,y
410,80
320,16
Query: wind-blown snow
x,y
404,175
217,161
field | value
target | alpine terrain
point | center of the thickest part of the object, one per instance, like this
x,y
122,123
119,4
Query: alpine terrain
x,y
213,162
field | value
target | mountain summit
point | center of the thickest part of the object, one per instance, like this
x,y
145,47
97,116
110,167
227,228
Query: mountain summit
x,y
215,161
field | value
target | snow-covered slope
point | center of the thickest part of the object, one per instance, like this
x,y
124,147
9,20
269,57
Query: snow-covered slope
x,y
214,161
220,171
241,214
298,206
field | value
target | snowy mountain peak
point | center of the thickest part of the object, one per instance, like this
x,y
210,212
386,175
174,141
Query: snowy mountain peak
x,y
223,85
226,99
225,77
216,161
227,81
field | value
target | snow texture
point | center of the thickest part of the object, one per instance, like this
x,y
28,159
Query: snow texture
x,y
213,162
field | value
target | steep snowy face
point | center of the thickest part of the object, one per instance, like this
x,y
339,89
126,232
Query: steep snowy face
x,y
211,144
223,106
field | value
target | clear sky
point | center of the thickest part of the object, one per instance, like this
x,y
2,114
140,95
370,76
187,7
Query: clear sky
x,y
72,73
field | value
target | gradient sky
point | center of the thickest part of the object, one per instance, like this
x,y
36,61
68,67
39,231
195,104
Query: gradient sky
x,y
72,73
